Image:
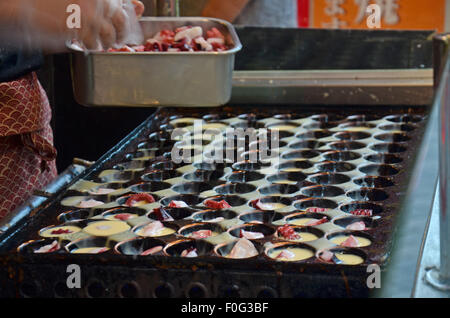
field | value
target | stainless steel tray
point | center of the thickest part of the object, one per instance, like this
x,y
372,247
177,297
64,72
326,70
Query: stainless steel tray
x,y
151,79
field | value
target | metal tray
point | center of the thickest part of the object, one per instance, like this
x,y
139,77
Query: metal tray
x,y
150,79
111,274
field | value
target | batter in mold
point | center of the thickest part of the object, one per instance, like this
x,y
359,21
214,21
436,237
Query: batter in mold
x,y
106,228
90,250
351,240
154,229
59,231
290,254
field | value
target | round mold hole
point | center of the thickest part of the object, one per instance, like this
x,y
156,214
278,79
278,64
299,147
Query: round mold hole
x,y
326,118
388,148
188,230
250,116
374,182
300,154
165,165
233,200
307,144
274,134
326,178
189,199
265,230
286,177
384,158
315,203
405,118
248,124
214,215
341,155
362,117
203,176
160,175
227,155
279,189
95,289
311,234
344,222
209,166
267,217
357,125
247,166
165,290
197,290
176,248
352,135
122,176
244,176
367,239
159,136
346,251
192,187
137,246
392,137
271,203
397,127
235,188
382,170
224,250
320,125
150,187
175,213
332,166
368,194
315,134
135,165
347,145
258,155
123,214
358,205
303,218
75,215
277,248
321,191
129,290
123,200
283,126
288,116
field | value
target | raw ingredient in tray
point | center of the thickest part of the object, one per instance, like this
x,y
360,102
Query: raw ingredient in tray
x,y
183,39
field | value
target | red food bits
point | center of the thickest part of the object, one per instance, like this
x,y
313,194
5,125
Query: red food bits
x,y
364,212
61,231
214,33
162,215
327,256
318,222
135,198
201,234
350,242
217,205
177,204
357,226
152,250
288,232
316,210
122,216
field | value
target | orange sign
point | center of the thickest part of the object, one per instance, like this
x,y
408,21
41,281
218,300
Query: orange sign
x,y
395,14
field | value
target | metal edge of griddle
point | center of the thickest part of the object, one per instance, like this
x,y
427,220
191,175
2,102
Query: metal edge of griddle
x,y
10,226
400,272
334,87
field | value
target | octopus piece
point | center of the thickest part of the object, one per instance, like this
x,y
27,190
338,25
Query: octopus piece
x,y
243,249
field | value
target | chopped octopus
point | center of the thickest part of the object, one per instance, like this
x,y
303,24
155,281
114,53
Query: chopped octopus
x,y
357,226
351,241
190,252
217,205
251,235
182,39
363,212
243,249
151,251
153,228
178,204
89,203
288,232
317,222
140,198
201,234
49,248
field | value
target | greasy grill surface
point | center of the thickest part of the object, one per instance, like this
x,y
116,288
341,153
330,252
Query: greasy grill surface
x,y
339,160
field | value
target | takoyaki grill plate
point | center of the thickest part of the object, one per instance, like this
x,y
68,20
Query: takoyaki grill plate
x,y
336,165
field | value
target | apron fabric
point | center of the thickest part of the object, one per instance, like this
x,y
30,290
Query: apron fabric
x,y
27,155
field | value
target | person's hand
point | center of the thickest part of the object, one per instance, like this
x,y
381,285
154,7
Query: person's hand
x,y
43,23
